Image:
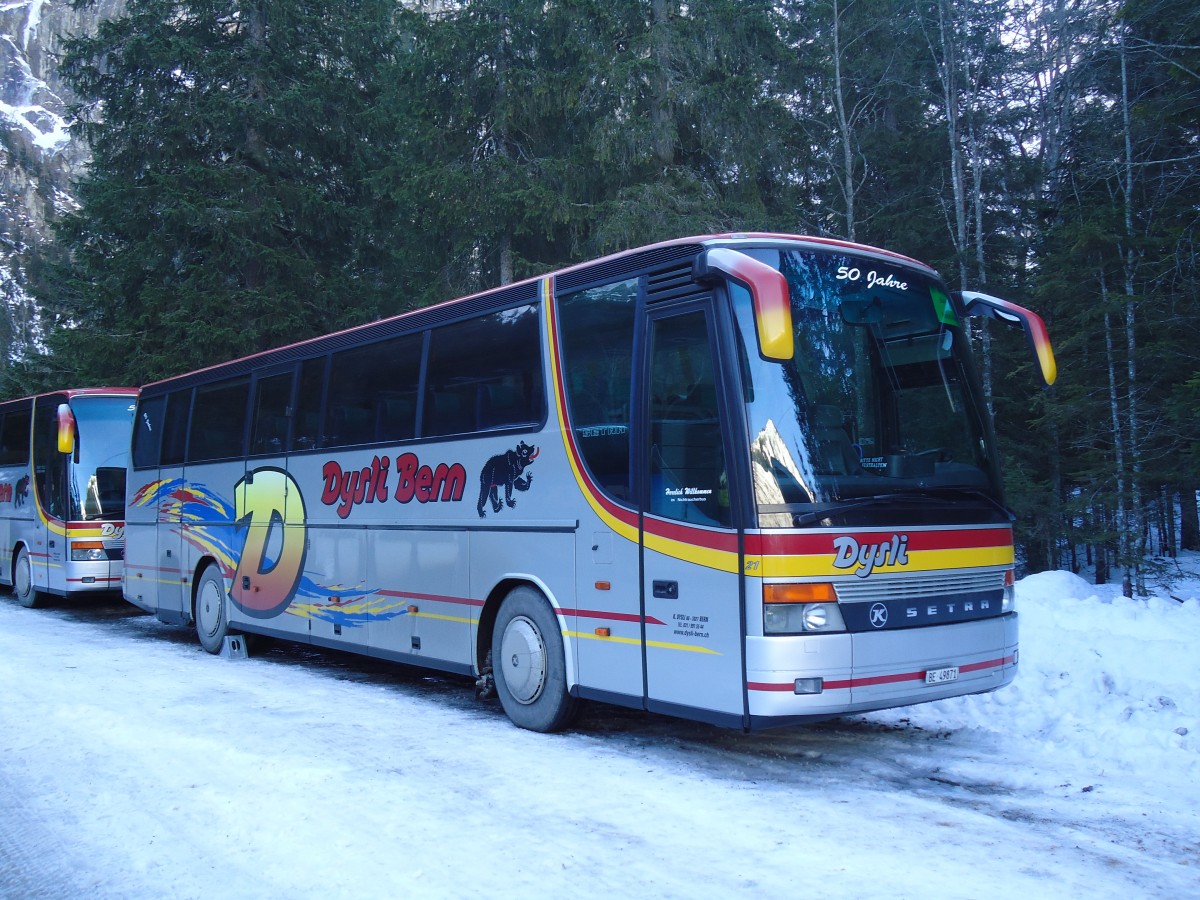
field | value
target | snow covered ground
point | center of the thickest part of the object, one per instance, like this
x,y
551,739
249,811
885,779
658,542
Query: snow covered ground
x,y
134,765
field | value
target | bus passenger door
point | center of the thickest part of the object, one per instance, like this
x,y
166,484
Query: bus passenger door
x,y
48,556
270,540
690,562
174,597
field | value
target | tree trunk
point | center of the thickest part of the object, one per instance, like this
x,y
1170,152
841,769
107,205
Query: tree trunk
x,y
846,178
1130,262
661,112
1122,522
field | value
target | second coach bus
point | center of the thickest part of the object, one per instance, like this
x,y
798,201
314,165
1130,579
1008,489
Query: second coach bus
x,y
745,479
63,459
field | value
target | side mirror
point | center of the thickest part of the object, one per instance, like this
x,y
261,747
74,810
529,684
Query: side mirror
x,y
66,429
985,306
768,291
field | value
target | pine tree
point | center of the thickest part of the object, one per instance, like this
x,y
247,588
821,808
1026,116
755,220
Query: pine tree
x,y
228,206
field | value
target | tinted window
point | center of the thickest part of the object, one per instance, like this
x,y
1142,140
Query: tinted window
x,y
147,432
50,466
218,421
688,479
307,425
272,397
596,329
485,374
14,439
373,393
174,438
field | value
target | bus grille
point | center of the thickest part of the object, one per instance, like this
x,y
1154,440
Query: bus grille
x,y
912,587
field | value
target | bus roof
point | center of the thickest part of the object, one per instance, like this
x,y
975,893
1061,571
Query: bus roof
x,y
72,393
524,291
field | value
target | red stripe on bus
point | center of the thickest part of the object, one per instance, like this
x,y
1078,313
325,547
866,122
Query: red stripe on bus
x,y
822,542
154,569
433,598
724,541
613,616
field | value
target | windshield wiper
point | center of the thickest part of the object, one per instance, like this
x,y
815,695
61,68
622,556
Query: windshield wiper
x,y
825,510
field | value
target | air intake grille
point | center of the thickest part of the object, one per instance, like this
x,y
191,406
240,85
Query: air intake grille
x,y
913,587
668,283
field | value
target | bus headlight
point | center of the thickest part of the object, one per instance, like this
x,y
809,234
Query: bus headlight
x,y
87,551
1009,602
801,609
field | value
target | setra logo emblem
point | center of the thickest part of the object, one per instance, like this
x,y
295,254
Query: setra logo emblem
x,y
879,615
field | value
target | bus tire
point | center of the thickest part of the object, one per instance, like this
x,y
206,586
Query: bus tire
x,y
529,664
27,595
212,610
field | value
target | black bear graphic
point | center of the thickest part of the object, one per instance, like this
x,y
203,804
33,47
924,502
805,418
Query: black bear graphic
x,y
22,491
505,470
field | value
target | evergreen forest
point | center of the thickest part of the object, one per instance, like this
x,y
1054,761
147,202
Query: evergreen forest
x,y
307,166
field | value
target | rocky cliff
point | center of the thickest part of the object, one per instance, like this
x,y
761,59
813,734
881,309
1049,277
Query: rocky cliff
x,y
38,158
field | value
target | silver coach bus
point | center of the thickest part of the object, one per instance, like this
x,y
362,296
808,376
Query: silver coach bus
x,y
744,479
63,459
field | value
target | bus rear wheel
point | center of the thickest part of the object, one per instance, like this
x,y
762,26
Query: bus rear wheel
x,y
212,611
27,595
529,664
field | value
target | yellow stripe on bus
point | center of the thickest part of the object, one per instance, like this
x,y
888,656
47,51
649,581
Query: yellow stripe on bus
x,y
440,617
722,560
918,561
661,645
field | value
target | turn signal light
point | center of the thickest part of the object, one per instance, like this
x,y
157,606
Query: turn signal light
x,y
821,592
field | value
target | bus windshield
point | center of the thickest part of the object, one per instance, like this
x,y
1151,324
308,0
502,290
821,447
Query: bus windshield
x,y
97,481
878,404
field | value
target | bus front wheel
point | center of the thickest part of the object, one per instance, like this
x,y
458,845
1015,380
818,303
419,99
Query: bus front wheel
x,y
27,595
212,614
528,663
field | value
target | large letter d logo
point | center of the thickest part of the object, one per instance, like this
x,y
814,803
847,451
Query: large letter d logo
x,y
269,506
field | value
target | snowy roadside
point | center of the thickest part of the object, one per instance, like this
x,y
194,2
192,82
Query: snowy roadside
x,y
135,765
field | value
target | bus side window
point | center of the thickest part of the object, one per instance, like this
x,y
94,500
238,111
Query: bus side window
x,y
147,432
218,427
372,393
687,456
174,438
596,327
49,466
485,373
269,428
306,429
14,439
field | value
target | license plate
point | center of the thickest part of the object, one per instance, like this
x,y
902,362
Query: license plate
x,y
941,676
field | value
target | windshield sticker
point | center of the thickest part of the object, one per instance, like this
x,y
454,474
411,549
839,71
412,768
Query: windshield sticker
x,y
688,494
874,279
941,306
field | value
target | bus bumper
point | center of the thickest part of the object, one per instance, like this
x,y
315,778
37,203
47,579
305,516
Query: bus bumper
x,y
809,677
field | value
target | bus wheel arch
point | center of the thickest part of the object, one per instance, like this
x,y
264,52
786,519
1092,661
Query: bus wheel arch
x,y
22,579
529,662
210,606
